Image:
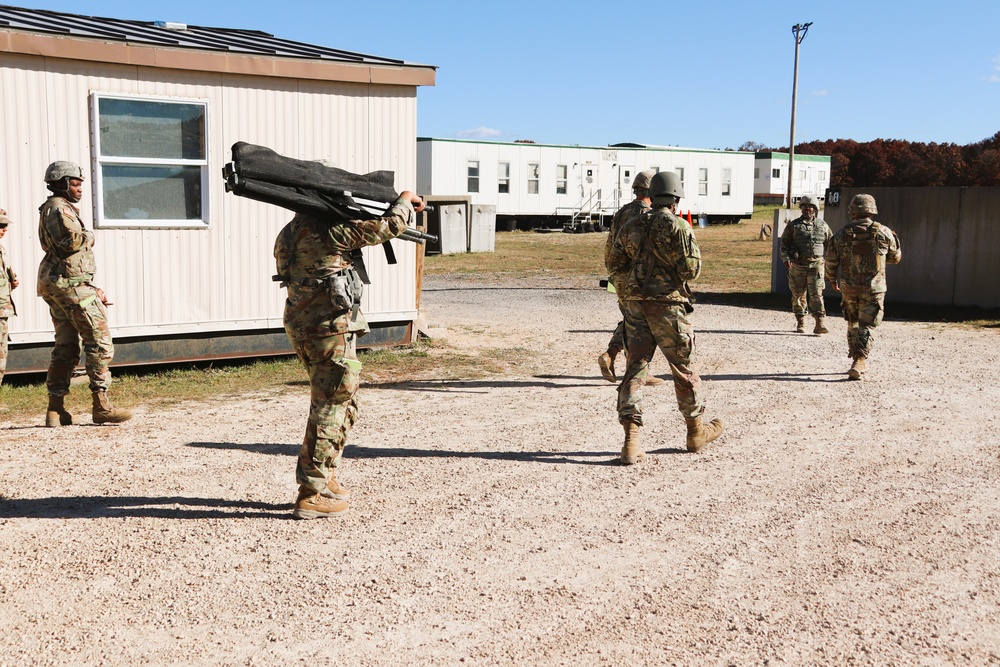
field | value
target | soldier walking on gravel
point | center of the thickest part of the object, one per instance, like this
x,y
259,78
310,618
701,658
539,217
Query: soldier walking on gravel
x,y
651,261
803,247
323,320
855,266
627,213
78,308
8,281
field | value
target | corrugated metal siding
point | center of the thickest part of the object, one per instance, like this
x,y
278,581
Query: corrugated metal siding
x,y
216,279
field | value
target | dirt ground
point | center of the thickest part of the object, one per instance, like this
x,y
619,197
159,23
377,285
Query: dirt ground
x,y
834,523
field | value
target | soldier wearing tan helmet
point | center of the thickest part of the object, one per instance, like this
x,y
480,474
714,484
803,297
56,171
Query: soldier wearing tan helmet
x,y
855,266
630,211
652,260
8,281
78,308
803,246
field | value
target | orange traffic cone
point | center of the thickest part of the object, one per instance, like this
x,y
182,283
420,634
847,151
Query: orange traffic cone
x,y
689,219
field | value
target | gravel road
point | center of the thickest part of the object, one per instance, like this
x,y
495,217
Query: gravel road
x,y
834,523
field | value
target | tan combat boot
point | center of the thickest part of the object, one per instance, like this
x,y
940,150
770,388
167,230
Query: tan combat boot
x,y
700,435
858,368
820,328
607,365
335,490
632,450
800,324
56,414
310,505
105,413
653,381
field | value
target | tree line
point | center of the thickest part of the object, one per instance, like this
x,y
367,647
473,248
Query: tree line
x,y
898,163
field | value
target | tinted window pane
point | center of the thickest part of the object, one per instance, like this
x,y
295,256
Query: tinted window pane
x,y
152,193
133,128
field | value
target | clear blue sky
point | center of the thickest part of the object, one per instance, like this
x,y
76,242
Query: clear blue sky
x,y
703,74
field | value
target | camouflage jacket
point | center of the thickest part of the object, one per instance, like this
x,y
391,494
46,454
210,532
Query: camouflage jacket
x,y
859,253
310,250
805,242
626,214
653,258
6,277
68,246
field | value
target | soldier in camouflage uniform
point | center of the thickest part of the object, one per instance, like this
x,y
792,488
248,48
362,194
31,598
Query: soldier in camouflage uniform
x,y
77,307
8,281
803,246
323,320
627,213
855,266
651,262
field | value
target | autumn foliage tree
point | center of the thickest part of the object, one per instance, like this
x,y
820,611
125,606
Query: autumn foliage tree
x,y
894,162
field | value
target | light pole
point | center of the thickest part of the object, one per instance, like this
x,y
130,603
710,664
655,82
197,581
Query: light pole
x,y
799,30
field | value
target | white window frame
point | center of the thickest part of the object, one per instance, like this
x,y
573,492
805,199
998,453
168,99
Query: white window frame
x,y
98,161
534,178
680,174
503,177
727,181
702,181
775,172
471,165
562,179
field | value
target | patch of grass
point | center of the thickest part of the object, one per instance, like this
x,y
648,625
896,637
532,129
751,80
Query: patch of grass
x,y
24,398
734,260
523,254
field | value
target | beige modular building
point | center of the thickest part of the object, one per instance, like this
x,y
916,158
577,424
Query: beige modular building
x,y
150,110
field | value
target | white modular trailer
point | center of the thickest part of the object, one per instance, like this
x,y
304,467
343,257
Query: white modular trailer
x,y
547,182
810,176
187,265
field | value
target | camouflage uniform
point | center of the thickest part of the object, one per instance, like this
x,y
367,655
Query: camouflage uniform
x,y
859,252
651,261
7,278
322,322
803,243
64,282
626,214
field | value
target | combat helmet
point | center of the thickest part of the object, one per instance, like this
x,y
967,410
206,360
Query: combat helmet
x,y
642,179
61,169
4,220
862,206
666,183
808,200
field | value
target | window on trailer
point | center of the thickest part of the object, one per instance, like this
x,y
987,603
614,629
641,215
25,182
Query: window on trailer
x,y
533,171
473,175
561,172
727,182
503,177
702,181
776,173
152,162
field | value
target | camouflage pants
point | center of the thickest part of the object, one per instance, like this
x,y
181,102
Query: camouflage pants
x,y
617,342
806,284
3,347
649,325
77,314
863,313
334,374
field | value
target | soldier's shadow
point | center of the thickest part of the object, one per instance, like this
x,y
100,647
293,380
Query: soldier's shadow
x,y
164,507
364,452
780,377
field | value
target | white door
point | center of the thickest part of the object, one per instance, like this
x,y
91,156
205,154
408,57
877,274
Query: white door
x,y
626,174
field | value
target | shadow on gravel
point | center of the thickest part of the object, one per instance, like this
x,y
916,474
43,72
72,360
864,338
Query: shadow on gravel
x,y
605,458
171,507
362,452
782,377
467,386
